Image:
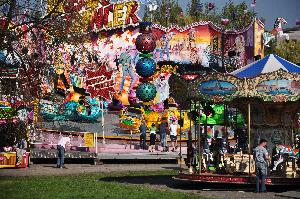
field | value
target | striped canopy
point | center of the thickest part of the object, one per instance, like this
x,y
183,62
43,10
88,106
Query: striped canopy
x,y
268,64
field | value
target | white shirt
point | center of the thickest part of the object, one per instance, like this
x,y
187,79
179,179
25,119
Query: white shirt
x,y
173,128
63,141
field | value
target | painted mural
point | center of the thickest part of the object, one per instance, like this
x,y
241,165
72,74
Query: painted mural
x,y
200,43
216,87
276,87
83,77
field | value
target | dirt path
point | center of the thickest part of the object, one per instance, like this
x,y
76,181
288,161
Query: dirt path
x,y
157,182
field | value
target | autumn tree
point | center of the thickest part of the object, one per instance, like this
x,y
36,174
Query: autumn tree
x,y
30,30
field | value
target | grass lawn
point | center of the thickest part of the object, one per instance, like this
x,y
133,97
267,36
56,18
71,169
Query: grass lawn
x,y
99,185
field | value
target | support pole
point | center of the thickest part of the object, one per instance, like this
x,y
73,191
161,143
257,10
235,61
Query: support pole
x,y
130,138
96,142
199,141
249,134
102,122
180,152
223,48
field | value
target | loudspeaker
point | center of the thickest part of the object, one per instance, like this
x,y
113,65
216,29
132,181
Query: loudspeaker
x,y
231,53
181,122
257,57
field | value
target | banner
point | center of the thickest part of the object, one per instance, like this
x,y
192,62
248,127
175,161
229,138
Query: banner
x,y
89,139
259,29
100,15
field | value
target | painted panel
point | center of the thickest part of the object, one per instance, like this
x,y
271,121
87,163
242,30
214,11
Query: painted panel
x,y
276,87
216,87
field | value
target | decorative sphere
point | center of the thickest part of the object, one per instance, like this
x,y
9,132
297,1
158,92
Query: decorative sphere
x,y
145,43
145,67
146,91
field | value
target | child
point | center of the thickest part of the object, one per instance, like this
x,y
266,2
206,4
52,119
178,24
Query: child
x,y
152,137
173,134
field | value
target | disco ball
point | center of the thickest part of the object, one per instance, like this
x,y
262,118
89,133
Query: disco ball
x,y
146,91
145,43
145,67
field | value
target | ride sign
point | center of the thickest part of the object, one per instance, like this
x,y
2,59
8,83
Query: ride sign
x,y
114,15
99,15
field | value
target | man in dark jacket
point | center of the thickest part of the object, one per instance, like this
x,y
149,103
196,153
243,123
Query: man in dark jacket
x,y
163,135
143,131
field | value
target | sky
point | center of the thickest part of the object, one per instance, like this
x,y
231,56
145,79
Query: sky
x,y
268,9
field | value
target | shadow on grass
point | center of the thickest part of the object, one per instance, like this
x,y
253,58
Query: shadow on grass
x,y
168,181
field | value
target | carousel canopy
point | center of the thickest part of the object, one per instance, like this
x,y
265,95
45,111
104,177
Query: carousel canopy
x,y
268,64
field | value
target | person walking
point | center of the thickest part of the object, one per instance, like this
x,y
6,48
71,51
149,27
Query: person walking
x,y
163,134
173,134
152,137
261,158
21,148
61,147
143,131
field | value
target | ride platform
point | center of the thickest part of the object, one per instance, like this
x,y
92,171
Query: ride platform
x,y
235,179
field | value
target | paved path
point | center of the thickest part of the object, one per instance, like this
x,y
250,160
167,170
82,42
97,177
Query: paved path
x,y
50,169
157,182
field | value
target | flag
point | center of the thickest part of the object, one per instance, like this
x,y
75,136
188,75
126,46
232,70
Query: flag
x,y
225,22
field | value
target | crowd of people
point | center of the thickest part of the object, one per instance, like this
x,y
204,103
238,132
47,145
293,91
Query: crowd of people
x,y
163,131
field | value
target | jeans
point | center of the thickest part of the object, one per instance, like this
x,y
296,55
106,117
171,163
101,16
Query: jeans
x,y
127,70
143,141
261,174
60,156
163,140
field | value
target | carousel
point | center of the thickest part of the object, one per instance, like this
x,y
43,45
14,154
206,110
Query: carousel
x,y
266,93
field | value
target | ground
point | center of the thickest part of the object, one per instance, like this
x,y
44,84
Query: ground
x,y
117,181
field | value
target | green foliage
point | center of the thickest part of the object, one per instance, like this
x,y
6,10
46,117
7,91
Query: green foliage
x,y
160,15
98,185
288,50
195,12
241,19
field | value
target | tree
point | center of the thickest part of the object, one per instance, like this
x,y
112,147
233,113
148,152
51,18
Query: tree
x,y
30,30
194,10
238,14
168,12
289,50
